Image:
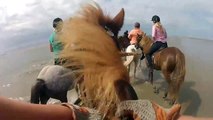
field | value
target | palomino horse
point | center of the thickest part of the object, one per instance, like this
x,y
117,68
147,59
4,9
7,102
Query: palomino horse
x,y
86,43
53,81
171,61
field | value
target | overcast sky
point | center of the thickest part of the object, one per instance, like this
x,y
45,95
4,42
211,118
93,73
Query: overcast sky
x,y
26,20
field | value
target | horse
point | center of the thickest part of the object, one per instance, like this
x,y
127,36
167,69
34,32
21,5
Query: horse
x,y
106,81
123,41
134,58
53,81
171,62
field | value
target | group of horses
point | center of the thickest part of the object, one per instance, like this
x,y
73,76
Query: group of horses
x,y
102,80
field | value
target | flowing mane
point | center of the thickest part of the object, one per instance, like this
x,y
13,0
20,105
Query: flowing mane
x,y
87,44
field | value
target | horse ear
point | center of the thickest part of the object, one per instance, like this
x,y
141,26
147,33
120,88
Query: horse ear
x,y
116,23
144,35
119,19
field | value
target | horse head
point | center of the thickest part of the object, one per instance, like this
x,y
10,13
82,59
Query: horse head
x,y
114,25
87,44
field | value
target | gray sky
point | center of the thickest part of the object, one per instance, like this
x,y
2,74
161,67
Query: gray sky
x,y
24,20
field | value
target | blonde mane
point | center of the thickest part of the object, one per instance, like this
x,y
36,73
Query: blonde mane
x,y
87,44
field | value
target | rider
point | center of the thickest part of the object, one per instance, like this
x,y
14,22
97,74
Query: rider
x,y
159,37
134,33
55,45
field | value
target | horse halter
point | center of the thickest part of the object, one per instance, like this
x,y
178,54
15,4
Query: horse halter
x,y
113,36
109,32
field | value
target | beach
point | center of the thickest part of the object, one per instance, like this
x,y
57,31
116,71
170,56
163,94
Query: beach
x,y
19,69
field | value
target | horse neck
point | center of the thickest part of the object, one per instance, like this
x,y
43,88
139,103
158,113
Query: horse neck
x,y
147,46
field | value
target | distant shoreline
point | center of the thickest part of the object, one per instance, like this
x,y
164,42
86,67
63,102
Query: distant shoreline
x,y
23,46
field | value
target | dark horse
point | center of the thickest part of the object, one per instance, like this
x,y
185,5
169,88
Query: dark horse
x,y
53,81
106,80
124,41
171,61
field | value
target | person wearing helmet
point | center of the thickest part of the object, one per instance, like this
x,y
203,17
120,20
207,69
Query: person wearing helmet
x,y
55,45
134,33
159,37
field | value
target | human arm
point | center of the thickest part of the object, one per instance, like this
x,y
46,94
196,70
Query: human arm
x,y
130,34
15,110
165,33
153,32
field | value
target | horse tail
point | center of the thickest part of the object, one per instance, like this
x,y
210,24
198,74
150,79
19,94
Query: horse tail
x,y
178,75
36,91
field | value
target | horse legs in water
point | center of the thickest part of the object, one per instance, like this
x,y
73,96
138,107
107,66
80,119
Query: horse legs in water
x,y
40,93
156,90
171,88
151,76
168,79
44,98
36,91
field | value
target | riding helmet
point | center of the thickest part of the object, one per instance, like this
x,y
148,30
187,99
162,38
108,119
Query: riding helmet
x,y
155,18
56,21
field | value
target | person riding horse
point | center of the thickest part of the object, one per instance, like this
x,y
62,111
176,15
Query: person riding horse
x,y
134,33
159,36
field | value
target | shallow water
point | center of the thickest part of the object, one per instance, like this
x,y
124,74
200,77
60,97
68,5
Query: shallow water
x,y
18,71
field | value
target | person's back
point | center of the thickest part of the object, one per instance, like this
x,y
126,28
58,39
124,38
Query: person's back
x,y
134,33
56,45
159,33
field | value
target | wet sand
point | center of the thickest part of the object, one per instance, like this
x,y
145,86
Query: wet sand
x,y
19,69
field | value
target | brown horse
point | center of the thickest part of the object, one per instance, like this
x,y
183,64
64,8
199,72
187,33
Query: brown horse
x,y
87,44
171,61
123,41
